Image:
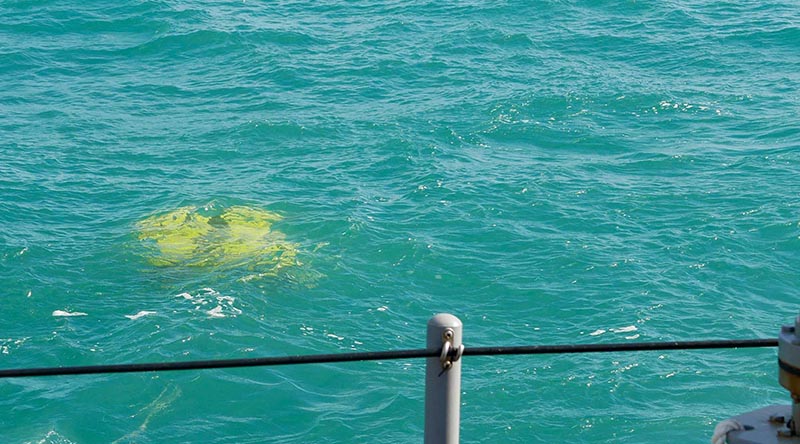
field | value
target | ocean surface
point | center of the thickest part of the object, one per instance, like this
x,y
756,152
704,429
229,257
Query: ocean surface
x,y
552,172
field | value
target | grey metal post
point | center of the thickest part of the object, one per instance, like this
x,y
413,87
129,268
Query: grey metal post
x,y
443,380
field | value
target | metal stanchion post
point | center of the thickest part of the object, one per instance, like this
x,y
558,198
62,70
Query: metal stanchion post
x,y
443,380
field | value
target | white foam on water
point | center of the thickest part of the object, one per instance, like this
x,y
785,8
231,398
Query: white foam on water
x,y
64,313
626,329
216,312
52,437
7,344
141,314
223,305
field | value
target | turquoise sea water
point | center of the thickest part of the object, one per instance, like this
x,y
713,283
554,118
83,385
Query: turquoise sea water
x,y
550,172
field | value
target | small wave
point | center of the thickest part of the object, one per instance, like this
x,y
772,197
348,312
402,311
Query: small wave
x,y
204,40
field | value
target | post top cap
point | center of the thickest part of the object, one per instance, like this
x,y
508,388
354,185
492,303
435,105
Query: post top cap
x,y
444,320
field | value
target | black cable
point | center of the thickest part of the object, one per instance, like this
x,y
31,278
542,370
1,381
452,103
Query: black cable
x,y
225,363
618,347
385,356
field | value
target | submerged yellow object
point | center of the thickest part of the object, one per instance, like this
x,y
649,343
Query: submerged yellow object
x,y
233,237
